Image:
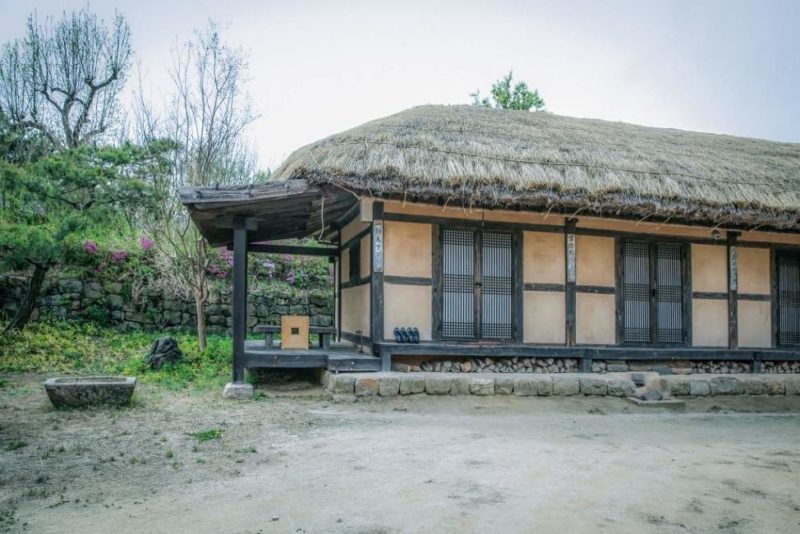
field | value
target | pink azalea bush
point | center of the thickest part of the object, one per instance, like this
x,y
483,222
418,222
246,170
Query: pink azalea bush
x,y
146,242
90,246
119,256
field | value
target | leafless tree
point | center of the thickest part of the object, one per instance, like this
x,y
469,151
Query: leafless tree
x,y
63,80
207,115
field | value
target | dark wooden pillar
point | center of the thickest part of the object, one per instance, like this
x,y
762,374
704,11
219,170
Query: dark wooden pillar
x,y
337,296
436,283
733,285
518,276
571,274
376,278
239,303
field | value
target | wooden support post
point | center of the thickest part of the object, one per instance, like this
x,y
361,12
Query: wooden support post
x,y
338,290
239,303
518,318
377,255
436,283
733,284
569,250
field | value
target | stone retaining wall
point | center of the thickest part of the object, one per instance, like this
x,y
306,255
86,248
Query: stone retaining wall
x,y
560,384
109,303
570,365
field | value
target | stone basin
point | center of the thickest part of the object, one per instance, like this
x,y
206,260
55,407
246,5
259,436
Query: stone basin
x,y
76,392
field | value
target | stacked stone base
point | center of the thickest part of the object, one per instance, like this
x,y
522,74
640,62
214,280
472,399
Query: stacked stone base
x,y
571,365
366,385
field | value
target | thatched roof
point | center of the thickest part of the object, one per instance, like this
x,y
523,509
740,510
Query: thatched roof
x,y
510,159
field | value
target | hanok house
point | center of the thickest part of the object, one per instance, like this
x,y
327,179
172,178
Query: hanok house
x,y
508,234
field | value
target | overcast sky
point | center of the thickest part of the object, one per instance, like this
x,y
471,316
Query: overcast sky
x,y
319,67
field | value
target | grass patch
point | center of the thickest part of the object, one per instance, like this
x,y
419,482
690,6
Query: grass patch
x,y
85,349
207,435
16,445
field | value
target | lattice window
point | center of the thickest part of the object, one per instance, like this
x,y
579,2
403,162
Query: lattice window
x,y
652,287
788,298
497,289
669,293
477,284
458,283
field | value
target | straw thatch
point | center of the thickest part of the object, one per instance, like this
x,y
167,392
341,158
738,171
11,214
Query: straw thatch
x,y
468,155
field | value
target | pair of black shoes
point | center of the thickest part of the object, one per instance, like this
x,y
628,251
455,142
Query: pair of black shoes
x,y
406,335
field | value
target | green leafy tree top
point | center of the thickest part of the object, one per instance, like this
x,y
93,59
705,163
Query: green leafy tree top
x,y
504,97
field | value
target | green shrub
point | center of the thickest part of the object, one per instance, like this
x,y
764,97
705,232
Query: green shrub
x,y
86,349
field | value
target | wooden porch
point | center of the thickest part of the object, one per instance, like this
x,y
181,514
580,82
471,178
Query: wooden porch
x,y
337,357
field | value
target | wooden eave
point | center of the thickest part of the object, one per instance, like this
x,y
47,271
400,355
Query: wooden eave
x,y
272,211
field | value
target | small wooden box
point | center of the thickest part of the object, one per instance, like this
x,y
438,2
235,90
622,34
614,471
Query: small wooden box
x,y
294,332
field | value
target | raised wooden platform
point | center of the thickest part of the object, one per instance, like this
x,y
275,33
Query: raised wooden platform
x,y
338,358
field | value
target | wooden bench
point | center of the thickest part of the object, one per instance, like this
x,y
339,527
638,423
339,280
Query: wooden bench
x,y
269,331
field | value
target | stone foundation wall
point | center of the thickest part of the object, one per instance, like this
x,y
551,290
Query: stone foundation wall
x,y
371,385
571,365
106,302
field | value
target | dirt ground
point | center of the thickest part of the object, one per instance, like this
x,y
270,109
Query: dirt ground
x,y
292,461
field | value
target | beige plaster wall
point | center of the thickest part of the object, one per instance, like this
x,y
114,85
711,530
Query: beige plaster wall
x,y
594,261
754,323
352,228
709,323
409,306
753,269
544,317
407,249
355,309
710,269
543,258
366,250
595,319
646,228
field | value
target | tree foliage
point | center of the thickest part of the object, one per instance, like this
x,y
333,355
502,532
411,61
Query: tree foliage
x,y
503,96
207,115
59,89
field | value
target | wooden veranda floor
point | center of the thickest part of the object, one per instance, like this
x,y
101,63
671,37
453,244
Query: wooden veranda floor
x,y
337,357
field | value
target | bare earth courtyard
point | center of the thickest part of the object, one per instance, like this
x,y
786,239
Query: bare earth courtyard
x,y
293,461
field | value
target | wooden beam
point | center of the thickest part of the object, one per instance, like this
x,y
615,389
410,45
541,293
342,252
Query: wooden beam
x,y
538,286
328,252
733,284
338,294
571,276
239,302
436,283
407,280
377,261
517,274
599,290
773,288
619,273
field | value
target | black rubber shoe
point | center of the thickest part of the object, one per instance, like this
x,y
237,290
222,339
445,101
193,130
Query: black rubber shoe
x,y
397,337
404,335
415,335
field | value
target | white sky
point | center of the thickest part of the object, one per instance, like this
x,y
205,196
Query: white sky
x,y
319,67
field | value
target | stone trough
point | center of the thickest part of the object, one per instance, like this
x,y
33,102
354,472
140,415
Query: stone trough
x,y
77,392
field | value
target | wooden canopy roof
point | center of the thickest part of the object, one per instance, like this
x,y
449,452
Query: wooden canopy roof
x,y
272,211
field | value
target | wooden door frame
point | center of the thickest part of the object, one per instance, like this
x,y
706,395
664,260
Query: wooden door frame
x,y
437,293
